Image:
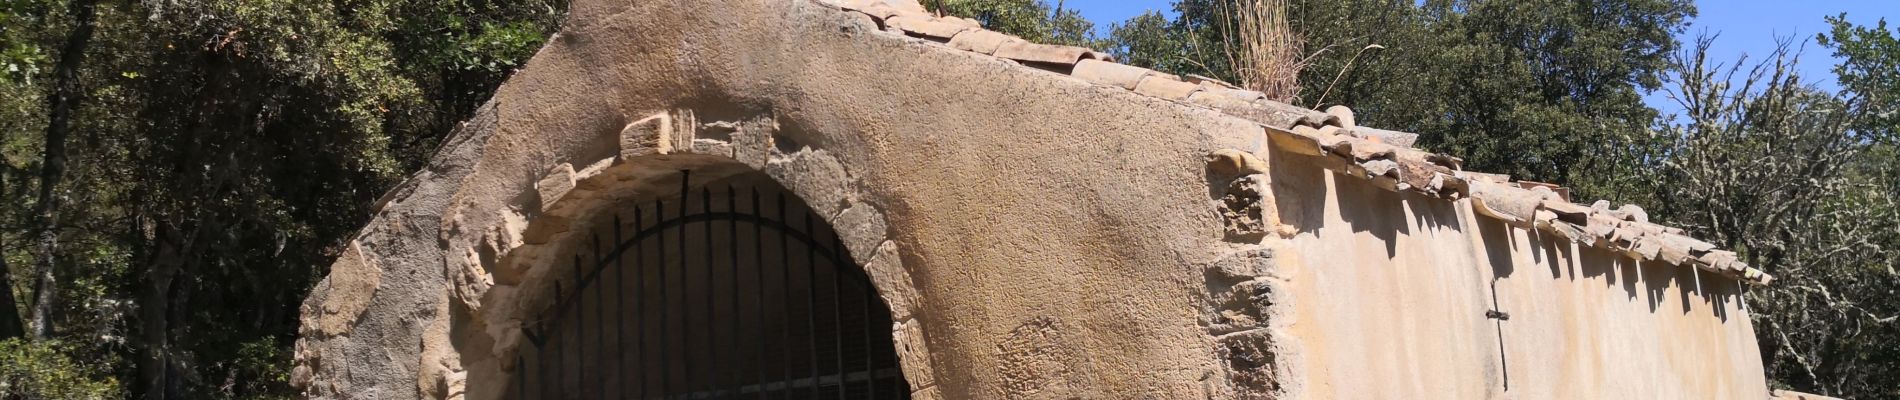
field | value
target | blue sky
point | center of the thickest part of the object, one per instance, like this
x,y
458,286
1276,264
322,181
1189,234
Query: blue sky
x,y
1745,26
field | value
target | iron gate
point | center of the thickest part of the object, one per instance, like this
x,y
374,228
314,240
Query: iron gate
x,y
755,299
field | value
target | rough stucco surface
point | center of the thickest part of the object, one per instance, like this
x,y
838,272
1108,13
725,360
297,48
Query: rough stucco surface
x,y
1037,235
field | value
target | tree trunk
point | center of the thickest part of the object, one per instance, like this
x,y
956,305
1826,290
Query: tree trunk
x,y
59,120
10,324
156,374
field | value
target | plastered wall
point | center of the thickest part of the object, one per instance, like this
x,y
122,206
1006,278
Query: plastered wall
x,y
1393,297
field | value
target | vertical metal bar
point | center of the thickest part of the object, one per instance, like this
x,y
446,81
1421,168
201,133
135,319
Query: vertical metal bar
x,y
620,308
732,233
837,312
640,300
541,354
758,270
869,310
712,307
785,261
600,321
870,364
811,304
521,378
666,367
580,327
560,346
686,319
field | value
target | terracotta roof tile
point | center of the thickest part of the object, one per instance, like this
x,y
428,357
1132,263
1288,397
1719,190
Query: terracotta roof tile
x,y
925,26
1046,53
981,41
1108,73
1166,88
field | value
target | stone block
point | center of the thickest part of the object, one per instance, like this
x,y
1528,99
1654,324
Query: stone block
x,y
554,186
887,273
815,176
1250,363
862,229
646,137
544,228
929,393
913,354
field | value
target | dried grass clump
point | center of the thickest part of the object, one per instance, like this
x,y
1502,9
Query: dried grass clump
x,y
1267,57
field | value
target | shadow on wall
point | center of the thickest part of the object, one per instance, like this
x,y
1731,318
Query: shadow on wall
x,y
1582,264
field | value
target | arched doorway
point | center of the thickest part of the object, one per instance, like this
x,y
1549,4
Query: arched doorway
x,y
727,289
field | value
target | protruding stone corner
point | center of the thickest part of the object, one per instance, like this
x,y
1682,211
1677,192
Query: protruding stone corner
x,y
1245,201
1243,311
1247,211
353,281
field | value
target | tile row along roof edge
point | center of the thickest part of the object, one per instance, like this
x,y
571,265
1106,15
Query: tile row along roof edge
x,y
1382,157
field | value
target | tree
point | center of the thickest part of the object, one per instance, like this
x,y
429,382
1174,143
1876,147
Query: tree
x,y
1787,175
223,152
1032,20
66,93
10,323
20,106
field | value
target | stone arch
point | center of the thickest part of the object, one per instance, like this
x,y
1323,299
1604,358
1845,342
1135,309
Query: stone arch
x,y
507,275
1046,225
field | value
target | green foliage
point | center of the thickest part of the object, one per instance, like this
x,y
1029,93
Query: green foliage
x,y
1524,88
46,370
1784,173
1147,41
1032,20
222,151
20,56
1870,70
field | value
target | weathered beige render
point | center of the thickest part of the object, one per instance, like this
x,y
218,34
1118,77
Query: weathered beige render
x,y
1038,221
